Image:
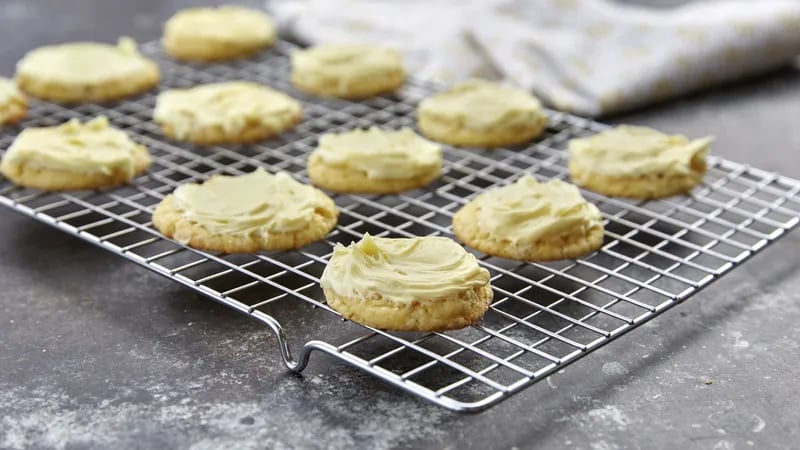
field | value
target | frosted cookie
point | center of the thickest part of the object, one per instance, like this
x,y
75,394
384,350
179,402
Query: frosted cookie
x,y
246,213
374,161
481,114
638,162
74,155
229,112
216,34
13,104
417,284
86,72
347,70
531,221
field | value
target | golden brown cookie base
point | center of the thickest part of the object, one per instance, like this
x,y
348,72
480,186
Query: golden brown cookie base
x,y
190,48
648,186
465,227
354,90
108,90
61,180
344,180
253,132
169,219
498,136
14,111
432,315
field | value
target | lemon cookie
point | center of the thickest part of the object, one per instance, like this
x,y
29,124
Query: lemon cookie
x,y
638,162
481,114
13,104
74,155
374,161
216,34
347,70
86,72
228,112
417,284
531,221
246,213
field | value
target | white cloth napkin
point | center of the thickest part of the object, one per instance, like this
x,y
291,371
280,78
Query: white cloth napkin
x,y
590,57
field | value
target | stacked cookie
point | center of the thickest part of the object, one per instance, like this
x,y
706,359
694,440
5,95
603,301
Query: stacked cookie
x,y
414,284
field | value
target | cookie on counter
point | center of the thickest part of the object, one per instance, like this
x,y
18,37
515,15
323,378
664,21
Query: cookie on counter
x,y
351,71
218,34
227,112
86,72
481,114
246,213
374,161
13,104
638,162
407,284
531,221
74,155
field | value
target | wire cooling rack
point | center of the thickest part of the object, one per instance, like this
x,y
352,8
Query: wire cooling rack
x,y
545,316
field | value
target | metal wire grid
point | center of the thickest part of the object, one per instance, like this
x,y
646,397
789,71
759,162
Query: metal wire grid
x,y
544,316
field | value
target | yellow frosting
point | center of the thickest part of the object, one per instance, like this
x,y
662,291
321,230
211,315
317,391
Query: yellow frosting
x,y
382,154
345,62
258,202
632,150
91,147
232,106
527,211
8,90
234,24
482,104
8,94
402,270
84,62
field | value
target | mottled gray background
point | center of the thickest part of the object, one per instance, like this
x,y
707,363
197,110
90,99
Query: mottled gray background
x,y
98,353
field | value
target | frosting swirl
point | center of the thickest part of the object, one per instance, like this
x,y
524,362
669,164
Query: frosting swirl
x,y
381,154
346,62
633,150
482,104
255,202
91,147
85,62
403,270
528,211
231,24
233,106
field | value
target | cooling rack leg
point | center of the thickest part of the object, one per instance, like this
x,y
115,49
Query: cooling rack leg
x,y
295,365
286,353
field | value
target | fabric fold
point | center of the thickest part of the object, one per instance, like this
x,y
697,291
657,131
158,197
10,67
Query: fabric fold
x,y
590,57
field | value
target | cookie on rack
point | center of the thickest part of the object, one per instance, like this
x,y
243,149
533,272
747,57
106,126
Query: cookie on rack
x,y
74,155
531,221
86,72
218,33
351,71
412,284
228,112
374,161
481,114
638,162
246,213
13,104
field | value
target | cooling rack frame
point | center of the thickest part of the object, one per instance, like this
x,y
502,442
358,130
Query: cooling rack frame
x,y
545,315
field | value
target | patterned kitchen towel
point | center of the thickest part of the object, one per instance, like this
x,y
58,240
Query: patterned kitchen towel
x,y
590,57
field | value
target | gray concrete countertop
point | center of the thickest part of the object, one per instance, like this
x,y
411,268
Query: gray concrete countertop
x,y
96,352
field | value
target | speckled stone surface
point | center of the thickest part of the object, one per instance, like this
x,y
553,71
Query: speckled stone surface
x,y
96,352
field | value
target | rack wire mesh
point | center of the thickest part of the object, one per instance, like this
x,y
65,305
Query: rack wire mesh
x,y
545,315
